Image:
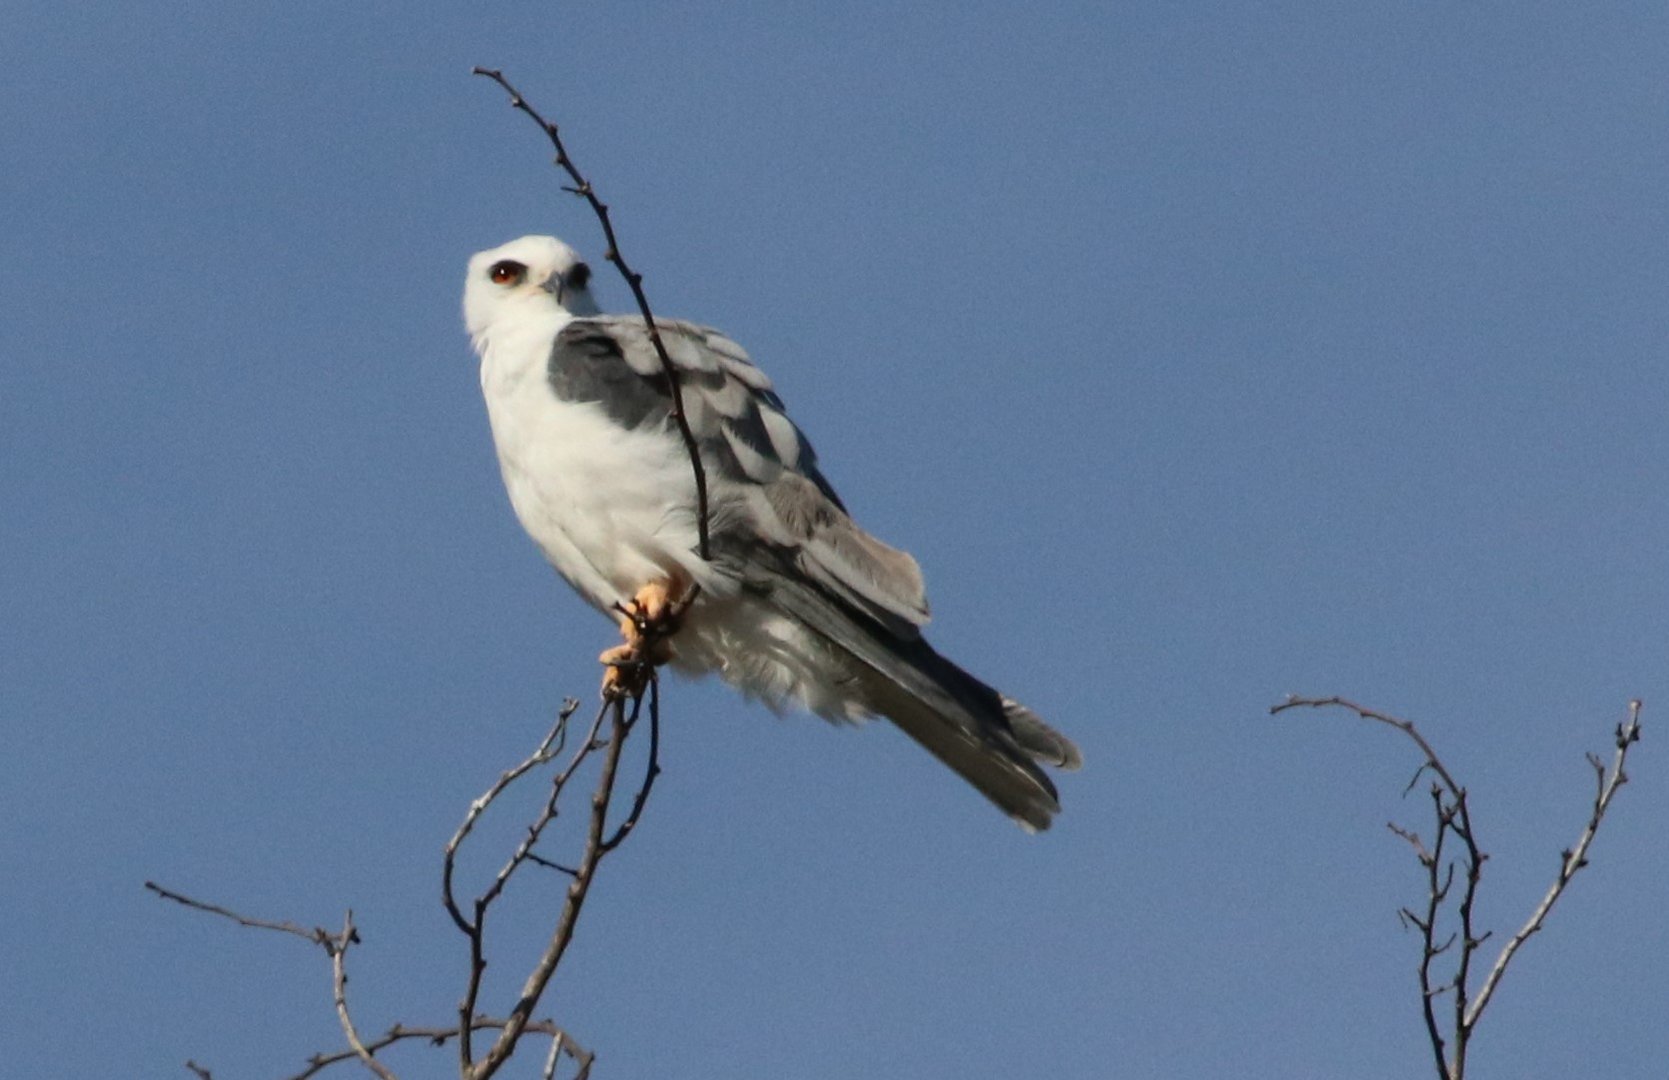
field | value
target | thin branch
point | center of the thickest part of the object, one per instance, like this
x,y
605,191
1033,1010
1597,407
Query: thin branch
x,y
578,889
1575,859
198,1071
475,929
1404,726
437,1036
582,187
1437,887
652,770
339,995
1454,816
317,935
1459,821
548,749
335,945
551,864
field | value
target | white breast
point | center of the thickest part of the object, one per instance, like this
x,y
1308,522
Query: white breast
x,y
614,509
611,509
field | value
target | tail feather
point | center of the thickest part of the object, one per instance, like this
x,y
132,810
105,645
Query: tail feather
x,y
990,740
1038,739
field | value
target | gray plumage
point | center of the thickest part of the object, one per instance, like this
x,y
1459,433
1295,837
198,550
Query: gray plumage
x,y
865,597
798,603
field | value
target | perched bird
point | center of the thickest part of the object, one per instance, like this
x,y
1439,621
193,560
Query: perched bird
x,y
798,604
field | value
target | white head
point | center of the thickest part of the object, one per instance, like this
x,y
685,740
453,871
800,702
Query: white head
x,y
533,274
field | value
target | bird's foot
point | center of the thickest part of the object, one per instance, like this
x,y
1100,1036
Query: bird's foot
x,y
647,623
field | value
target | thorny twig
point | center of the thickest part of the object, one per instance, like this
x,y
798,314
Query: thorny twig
x,y
1453,817
582,187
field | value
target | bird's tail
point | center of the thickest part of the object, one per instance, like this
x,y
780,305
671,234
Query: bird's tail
x,y
992,741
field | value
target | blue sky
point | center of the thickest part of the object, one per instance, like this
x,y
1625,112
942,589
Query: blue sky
x,y
1202,353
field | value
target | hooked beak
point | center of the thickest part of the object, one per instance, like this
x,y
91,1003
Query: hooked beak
x,y
553,285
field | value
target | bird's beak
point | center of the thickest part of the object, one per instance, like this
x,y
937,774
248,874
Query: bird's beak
x,y
553,285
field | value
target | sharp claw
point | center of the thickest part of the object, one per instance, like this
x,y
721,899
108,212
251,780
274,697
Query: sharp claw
x,y
647,621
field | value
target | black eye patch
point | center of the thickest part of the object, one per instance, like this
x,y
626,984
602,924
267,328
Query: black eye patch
x,y
579,276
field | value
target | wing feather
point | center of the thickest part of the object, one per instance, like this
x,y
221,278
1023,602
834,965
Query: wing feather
x,y
745,437
779,526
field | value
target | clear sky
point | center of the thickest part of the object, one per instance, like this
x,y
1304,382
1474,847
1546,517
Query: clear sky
x,y
1202,353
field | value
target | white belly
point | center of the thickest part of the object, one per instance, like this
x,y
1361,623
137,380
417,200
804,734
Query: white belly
x,y
613,510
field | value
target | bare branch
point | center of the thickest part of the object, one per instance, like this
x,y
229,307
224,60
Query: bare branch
x,y
475,928
548,749
582,187
1404,726
1453,814
317,935
339,995
437,1036
1573,860
578,889
1436,889
651,771
335,945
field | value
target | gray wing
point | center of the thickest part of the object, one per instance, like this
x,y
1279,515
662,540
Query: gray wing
x,y
782,528
761,468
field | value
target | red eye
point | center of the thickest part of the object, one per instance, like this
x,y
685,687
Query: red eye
x,y
508,272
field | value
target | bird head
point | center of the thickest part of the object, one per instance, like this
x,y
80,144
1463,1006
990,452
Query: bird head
x,y
534,273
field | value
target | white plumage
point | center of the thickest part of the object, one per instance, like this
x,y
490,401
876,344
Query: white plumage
x,y
798,604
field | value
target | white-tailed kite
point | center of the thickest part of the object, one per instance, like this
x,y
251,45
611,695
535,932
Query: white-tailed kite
x,y
798,604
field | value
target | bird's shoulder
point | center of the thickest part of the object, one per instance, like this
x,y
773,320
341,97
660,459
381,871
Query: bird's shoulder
x,y
730,404
749,447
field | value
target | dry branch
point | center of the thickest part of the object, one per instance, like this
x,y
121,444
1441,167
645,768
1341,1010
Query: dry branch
x,y
1453,817
621,716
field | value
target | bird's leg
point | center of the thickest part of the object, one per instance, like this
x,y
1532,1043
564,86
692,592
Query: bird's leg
x,y
647,623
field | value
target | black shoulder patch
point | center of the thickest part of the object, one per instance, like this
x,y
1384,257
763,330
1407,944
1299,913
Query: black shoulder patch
x,y
587,365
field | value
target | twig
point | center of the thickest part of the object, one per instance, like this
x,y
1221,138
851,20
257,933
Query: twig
x,y
578,889
475,928
1405,726
198,1070
437,1036
651,771
1576,858
582,187
339,994
1453,814
1437,888
335,945
317,935
549,748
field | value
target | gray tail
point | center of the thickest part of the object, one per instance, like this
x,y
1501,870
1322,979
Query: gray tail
x,y
993,742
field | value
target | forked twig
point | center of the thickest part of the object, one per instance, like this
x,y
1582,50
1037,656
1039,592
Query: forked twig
x,y
578,889
474,928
